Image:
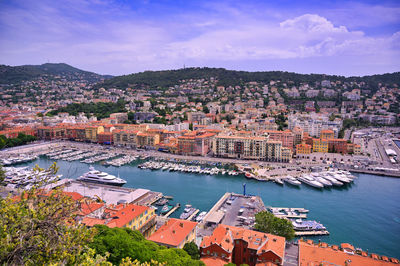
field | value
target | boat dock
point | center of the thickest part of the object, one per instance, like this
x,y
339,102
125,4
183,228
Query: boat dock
x,y
155,199
177,206
312,233
193,215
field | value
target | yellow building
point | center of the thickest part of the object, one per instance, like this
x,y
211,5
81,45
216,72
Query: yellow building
x,y
136,217
286,154
303,148
147,139
320,145
357,149
327,134
92,131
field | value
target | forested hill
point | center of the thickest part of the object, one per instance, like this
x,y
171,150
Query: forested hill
x,y
167,78
17,74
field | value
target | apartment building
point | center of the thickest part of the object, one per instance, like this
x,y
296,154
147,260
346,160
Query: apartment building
x,y
135,217
255,148
195,143
303,148
125,138
229,244
313,124
320,145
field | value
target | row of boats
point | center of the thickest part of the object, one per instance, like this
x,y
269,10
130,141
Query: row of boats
x,y
168,166
320,180
126,159
298,216
22,177
16,160
89,157
188,211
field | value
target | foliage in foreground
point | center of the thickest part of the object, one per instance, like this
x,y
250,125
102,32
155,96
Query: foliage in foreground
x,y
266,222
192,249
39,230
121,243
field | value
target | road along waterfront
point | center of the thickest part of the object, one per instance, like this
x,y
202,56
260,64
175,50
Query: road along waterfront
x,y
365,213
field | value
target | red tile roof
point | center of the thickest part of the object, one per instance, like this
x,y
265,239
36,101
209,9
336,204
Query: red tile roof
x,y
173,232
310,254
224,236
124,213
89,207
213,261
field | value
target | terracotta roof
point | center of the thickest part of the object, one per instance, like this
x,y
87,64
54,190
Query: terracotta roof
x,y
89,207
124,213
346,246
310,254
173,232
88,221
213,261
224,236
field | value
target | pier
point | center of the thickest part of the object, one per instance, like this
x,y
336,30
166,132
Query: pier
x,y
312,233
177,206
193,215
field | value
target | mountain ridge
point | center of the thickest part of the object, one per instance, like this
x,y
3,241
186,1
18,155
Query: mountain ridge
x,y
167,78
17,74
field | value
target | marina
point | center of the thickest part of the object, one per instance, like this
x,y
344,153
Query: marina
x,y
350,204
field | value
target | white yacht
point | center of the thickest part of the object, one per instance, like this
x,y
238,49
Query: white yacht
x,y
96,176
310,181
332,180
291,180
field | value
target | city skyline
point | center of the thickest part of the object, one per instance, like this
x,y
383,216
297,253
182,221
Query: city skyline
x,y
116,37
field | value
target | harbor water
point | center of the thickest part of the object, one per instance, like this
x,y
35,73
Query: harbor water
x,y
365,213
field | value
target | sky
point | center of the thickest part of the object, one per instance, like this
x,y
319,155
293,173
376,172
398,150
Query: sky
x,y
120,37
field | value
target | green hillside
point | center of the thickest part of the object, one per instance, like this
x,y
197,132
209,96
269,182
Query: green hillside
x,y
17,74
167,78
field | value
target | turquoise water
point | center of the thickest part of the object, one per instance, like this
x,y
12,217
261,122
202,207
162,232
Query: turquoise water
x,y
365,214
397,143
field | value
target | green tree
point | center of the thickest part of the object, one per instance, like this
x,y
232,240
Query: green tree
x,y
266,222
3,141
2,175
192,249
191,126
122,243
38,229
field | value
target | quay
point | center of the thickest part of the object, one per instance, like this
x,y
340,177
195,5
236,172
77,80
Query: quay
x,y
370,172
177,206
312,233
107,193
234,210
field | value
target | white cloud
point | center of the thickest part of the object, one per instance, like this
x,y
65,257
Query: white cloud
x,y
312,23
122,42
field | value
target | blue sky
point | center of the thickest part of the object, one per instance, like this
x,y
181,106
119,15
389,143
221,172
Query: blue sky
x,y
122,37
